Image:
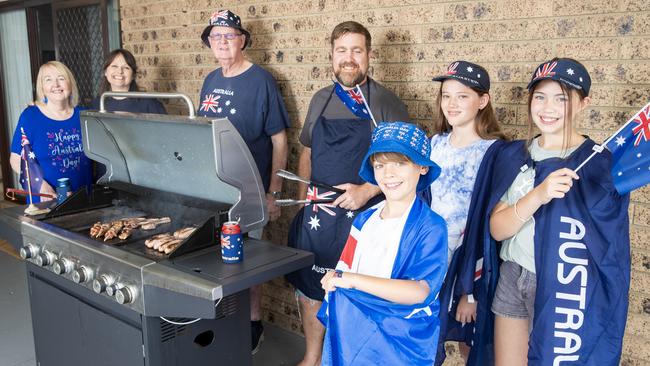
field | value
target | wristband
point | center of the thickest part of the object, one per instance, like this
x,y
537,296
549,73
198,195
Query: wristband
x,y
338,273
517,213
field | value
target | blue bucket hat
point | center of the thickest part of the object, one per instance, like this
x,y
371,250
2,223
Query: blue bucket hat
x,y
569,72
470,74
406,139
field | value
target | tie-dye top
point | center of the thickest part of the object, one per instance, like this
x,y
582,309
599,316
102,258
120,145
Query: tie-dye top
x,y
451,193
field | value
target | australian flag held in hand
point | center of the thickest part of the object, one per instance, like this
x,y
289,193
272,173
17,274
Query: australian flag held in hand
x,y
29,166
630,149
354,100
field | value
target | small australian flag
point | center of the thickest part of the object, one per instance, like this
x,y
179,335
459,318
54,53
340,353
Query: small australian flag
x,y
630,149
354,100
29,163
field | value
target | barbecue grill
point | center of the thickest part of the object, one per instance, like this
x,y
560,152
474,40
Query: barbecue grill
x,y
121,303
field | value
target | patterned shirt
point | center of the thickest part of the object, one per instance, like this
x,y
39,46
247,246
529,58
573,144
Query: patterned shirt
x,y
451,193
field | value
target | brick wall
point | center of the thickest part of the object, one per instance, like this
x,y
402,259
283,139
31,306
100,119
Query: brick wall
x,y
414,40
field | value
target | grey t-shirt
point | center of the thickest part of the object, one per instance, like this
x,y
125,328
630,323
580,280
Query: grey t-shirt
x,y
384,104
520,248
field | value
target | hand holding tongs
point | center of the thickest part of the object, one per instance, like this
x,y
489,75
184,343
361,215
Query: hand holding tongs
x,y
291,176
291,202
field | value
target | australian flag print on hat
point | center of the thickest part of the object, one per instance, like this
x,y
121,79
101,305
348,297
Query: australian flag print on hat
x,y
470,74
567,71
225,18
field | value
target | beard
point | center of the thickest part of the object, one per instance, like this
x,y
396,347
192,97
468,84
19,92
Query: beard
x,y
349,79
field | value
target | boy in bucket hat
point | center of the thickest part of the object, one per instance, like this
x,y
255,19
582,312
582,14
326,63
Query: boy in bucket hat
x,y
381,305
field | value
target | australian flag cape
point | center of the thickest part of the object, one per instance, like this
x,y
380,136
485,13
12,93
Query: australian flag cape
x,y
454,285
582,261
363,329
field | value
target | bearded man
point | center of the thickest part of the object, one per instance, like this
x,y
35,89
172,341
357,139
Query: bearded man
x,y
334,143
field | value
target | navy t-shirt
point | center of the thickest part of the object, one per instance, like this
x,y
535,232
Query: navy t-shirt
x,y
253,104
57,145
133,105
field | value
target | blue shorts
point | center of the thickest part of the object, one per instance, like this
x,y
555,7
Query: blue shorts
x,y
515,293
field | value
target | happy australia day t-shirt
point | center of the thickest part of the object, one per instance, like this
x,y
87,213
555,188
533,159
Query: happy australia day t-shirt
x,y
57,145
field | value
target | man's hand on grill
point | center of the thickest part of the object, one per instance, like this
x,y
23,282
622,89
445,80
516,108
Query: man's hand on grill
x,y
46,188
274,210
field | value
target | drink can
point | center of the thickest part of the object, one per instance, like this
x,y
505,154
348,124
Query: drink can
x,y
62,189
232,240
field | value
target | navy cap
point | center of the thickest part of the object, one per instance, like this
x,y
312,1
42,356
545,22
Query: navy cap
x,y
569,72
225,18
470,74
404,138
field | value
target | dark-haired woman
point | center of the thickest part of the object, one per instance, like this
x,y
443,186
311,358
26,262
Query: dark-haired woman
x,y
119,76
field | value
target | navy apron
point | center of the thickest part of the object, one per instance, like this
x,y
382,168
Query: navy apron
x,y
337,150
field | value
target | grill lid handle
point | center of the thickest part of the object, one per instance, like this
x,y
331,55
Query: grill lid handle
x,y
151,95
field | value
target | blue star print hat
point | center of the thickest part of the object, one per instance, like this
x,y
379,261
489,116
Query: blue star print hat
x,y
406,139
225,18
470,74
569,72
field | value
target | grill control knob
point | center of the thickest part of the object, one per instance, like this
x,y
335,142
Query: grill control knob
x,y
44,259
110,290
29,251
124,295
82,274
62,266
103,283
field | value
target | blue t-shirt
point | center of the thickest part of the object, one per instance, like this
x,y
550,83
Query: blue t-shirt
x,y
57,145
133,105
253,104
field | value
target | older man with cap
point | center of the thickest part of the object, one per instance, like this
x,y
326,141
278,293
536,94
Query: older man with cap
x,y
249,97
335,141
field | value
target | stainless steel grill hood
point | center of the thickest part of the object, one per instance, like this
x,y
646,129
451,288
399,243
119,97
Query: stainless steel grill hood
x,y
196,157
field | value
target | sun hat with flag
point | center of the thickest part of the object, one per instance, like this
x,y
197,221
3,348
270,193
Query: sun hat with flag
x,y
470,74
404,138
567,71
225,18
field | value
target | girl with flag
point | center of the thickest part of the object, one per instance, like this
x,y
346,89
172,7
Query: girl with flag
x,y
52,127
465,129
561,291
381,304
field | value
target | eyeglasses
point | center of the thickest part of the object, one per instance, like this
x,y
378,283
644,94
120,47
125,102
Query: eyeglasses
x,y
227,36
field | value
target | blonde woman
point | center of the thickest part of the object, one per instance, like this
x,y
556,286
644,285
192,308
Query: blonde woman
x,y
52,127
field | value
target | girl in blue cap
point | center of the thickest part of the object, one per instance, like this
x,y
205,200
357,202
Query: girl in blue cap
x,y
465,128
560,293
381,306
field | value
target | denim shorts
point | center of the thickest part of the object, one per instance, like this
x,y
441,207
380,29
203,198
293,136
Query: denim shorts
x,y
515,294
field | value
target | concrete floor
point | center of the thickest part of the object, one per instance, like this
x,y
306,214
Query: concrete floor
x,y
16,338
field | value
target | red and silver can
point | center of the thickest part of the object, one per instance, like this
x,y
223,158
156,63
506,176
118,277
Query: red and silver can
x,y
232,240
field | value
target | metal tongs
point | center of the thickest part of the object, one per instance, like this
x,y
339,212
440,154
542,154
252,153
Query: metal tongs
x,y
290,202
291,176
